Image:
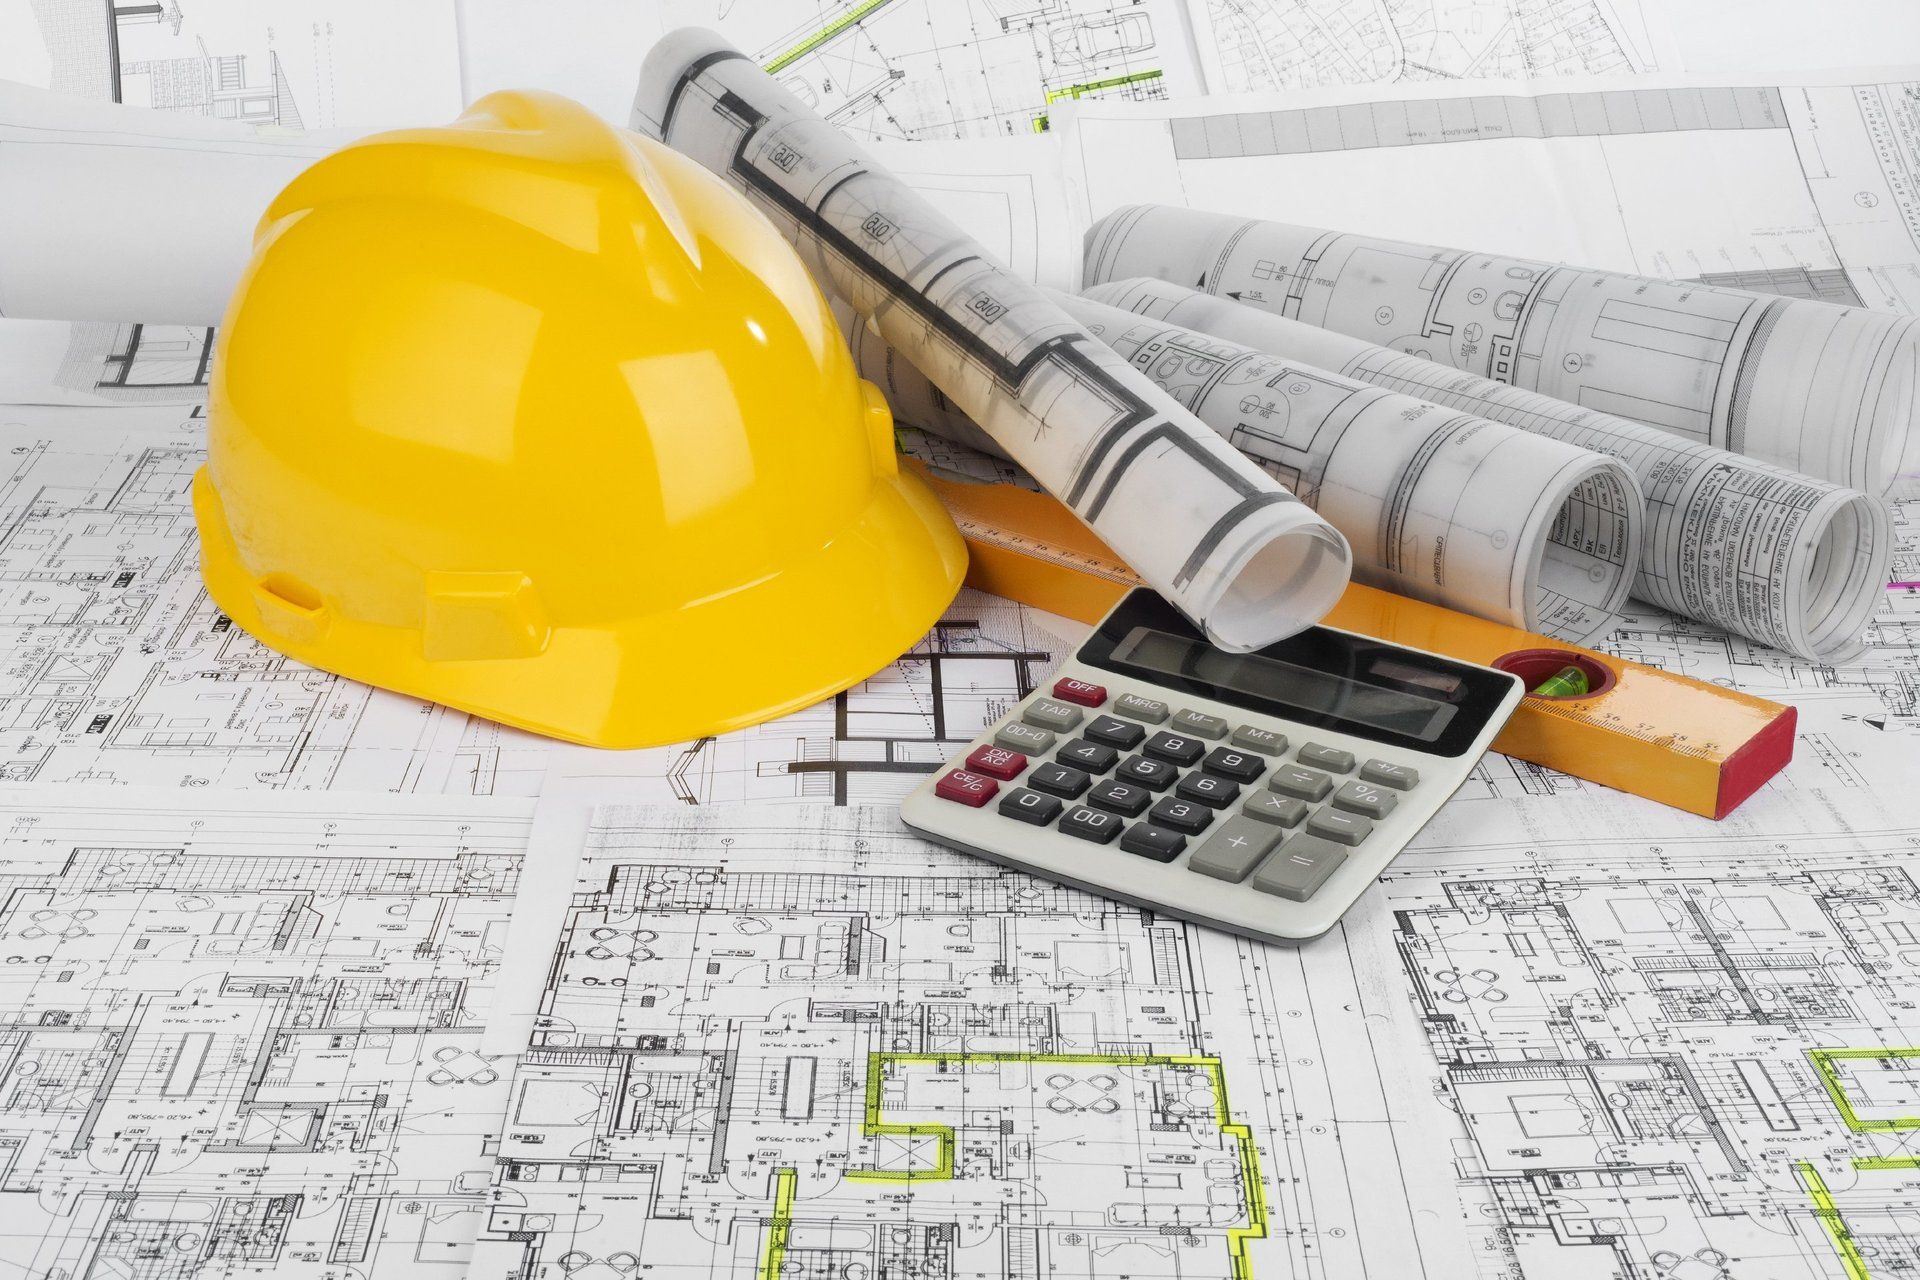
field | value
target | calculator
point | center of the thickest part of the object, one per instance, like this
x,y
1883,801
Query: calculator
x,y
1260,793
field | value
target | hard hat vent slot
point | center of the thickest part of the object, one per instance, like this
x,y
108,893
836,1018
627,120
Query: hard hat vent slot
x,y
290,607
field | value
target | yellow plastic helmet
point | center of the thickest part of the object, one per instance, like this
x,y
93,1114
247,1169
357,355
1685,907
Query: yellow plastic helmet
x,y
536,418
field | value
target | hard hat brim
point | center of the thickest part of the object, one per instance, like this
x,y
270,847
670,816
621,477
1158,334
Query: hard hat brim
x,y
827,621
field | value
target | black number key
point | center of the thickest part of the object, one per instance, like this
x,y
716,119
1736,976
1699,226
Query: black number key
x,y
1181,815
1091,756
1175,749
1154,775
1058,780
1214,792
1091,824
1241,766
1120,797
1115,732
1153,842
1026,805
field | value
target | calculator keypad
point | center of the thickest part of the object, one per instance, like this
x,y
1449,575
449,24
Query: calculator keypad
x,y
1249,810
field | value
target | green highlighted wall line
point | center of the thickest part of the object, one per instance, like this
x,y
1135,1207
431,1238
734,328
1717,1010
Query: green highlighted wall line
x,y
1829,1215
1824,1061
780,1226
1239,1239
825,34
1092,86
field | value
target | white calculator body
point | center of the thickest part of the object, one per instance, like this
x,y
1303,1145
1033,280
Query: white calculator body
x,y
1260,793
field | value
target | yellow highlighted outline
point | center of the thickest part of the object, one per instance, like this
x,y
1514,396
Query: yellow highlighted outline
x,y
1092,86
780,1226
1830,1218
823,35
1823,1065
1238,1238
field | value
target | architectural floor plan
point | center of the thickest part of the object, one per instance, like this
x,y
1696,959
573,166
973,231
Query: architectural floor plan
x,y
238,1034
778,1042
1249,45
1675,1050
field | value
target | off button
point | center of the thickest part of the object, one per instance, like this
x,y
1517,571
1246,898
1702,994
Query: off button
x,y
1087,695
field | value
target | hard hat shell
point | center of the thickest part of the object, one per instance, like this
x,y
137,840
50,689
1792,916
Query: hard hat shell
x,y
536,418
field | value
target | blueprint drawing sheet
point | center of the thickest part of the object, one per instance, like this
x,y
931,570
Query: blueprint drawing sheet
x,y
239,1034
1252,45
1437,504
1218,537
1667,1047
1803,190
1770,554
789,1042
1811,386
920,70
120,671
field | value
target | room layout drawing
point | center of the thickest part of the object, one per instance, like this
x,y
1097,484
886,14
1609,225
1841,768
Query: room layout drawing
x,y
238,1033
956,68
1675,1050
792,1043
1250,45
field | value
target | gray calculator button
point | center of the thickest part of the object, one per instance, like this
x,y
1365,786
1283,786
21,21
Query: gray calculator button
x,y
1024,738
1234,849
1263,740
1153,842
1300,867
1346,828
1091,824
1364,798
1122,798
1322,757
1025,805
1269,806
1134,707
1241,766
1397,776
1200,725
1124,734
1302,784
1045,713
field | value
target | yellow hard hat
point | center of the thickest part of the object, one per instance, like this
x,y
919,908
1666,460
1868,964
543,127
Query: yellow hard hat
x,y
536,418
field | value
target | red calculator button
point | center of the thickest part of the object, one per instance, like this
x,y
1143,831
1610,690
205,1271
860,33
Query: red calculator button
x,y
1087,695
968,788
997,762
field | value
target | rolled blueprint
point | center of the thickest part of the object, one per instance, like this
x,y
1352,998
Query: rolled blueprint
x,y
1220,538
1437,504
1819,388
1778,557
115,213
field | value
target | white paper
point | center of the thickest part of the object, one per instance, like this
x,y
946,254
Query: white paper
x,y
1772,555
1252,45
1633,1015
240,1034
1217,537
1823,389
725,984
119,214
1801,188
293,64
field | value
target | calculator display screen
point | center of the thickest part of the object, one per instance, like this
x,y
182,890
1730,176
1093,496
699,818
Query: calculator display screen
x,y
1298,688
1319,678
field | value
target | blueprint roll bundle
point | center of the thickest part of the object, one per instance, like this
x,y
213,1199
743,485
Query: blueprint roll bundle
x,y
1775,556
1822,389
1215,535
1437,504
